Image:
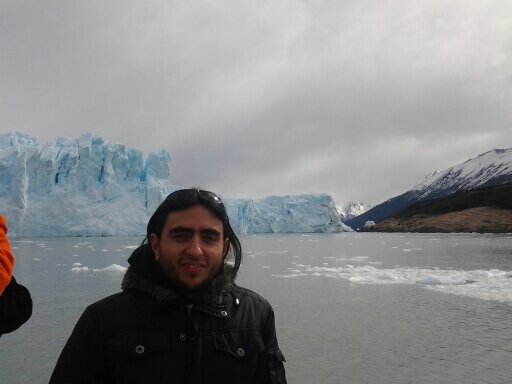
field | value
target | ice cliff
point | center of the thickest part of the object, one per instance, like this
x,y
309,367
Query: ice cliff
x,y
285,214
89,187
82,187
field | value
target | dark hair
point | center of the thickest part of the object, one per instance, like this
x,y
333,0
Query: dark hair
x,y
187,198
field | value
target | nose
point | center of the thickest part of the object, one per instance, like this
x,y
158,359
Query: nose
x,y
195,248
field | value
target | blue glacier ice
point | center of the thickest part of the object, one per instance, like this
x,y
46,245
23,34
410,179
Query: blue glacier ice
x,y
90,187
285,214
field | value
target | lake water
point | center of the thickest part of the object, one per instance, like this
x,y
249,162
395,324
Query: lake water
x,y
350,307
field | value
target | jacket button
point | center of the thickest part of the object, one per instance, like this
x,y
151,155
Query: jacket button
x,y
240,352
183,337
139,349
223,313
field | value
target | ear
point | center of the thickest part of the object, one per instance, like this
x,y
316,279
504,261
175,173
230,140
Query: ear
x,y
154,242
226,247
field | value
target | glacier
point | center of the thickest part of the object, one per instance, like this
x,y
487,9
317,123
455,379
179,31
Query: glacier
x,y
285,214
90,187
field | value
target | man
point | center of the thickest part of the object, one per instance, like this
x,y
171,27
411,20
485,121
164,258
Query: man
x,y
15,300
180,317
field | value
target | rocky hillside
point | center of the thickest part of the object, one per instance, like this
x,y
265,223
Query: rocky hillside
x,y
489,169
481,210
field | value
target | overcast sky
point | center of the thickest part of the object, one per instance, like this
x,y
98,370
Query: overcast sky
x,y
358,99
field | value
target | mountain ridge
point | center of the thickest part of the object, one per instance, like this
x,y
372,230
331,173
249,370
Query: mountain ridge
x,y
483,210
490,168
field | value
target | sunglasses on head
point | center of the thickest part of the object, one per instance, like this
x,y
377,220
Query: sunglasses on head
x,y
193,193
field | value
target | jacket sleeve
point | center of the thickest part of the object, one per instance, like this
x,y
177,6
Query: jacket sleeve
x,y
271,367
6,257
82,360
15,307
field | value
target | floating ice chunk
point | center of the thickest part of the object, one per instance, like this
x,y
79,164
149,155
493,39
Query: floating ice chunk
x,y
456,279
36,259
491,284
385,276
358,259
291,276
77,264
116,268
80,269
497,273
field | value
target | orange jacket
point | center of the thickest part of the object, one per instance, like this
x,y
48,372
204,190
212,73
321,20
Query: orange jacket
x,y
6,257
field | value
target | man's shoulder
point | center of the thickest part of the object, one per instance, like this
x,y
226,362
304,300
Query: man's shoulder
x,y
116,311
111,303
245,294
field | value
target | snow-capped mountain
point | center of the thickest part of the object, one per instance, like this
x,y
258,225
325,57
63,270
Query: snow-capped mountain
x,y
352,209
488,169
89,187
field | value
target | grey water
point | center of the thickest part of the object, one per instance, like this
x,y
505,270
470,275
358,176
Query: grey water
x,y
350,307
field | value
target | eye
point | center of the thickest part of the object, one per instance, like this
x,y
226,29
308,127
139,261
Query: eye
x,y
210,237
180,236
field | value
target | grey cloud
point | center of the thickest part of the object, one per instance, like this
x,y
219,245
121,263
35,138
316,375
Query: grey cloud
x,y
356,99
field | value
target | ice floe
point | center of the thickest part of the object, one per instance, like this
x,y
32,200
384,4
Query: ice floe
x,y
114,268
491,284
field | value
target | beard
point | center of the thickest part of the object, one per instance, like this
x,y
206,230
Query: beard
x,y
173,275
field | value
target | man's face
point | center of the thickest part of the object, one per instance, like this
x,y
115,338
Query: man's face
x,y
191,247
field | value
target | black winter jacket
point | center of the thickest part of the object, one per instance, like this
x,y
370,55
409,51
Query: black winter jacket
x,y
151,334
15,307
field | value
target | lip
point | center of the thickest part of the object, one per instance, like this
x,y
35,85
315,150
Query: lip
x,y
192,266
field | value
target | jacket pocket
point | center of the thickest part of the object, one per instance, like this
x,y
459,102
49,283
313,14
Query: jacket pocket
x,y
241,345
140,357
231,357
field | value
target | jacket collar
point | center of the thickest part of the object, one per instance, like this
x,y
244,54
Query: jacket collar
x,y
146,277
